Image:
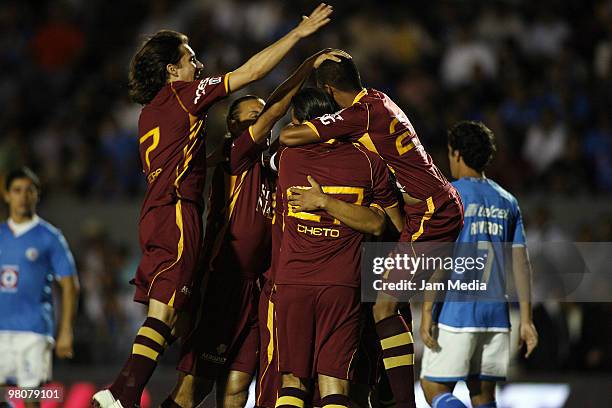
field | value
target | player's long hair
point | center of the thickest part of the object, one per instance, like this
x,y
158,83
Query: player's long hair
x,y
475,143
310,103
148,67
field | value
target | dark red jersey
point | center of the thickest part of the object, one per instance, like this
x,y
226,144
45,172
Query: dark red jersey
x,y
277,220
376,122
317,249
240,215
171,133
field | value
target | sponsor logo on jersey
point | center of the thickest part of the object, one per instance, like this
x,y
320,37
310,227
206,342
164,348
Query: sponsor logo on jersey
x,y
31,254
9,277
153,175
201,90
330,118
477,210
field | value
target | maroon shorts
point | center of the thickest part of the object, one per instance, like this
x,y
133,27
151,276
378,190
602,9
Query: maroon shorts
x,y
170,240
438,218
269,378
431,226
318,329
226,333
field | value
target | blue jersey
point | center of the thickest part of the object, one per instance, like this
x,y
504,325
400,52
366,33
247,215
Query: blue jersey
x,y
29,261
492,218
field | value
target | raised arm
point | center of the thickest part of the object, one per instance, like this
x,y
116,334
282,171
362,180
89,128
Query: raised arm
x,y
369,220
263,62
280,99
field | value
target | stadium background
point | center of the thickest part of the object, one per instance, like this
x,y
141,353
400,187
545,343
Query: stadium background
x,y
538,73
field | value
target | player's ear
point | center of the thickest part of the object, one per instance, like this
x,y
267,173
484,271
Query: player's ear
x,y
172,70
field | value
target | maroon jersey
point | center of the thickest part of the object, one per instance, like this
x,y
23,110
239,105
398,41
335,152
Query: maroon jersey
x,y
171,134
277,220
376,122
240,213
317,249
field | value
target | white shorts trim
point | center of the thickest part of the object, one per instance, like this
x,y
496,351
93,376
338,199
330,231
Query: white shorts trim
x,y
473,329
26,358
461,355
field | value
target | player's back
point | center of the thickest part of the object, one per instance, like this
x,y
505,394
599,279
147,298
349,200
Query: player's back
x,y
317,249
490,213
391,135
493,225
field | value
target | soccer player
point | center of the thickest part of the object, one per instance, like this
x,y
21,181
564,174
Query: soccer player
x,y
238,251
433,210
32,254
472,339
334,193
165,78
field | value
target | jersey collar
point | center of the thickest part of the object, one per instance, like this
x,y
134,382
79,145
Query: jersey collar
x,y
20,229
360,95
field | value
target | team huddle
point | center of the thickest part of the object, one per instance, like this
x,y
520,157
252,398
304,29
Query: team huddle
x,y
271,291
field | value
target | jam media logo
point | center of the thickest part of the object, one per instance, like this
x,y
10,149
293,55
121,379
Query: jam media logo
x,y
32,254
9,277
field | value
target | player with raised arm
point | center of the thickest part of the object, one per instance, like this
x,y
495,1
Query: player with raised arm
x,y
433,210
33,254
318,272
165,78
237,251
472,339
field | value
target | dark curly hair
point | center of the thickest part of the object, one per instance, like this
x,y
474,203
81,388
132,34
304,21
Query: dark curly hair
x,y
148,67
475,143
310,103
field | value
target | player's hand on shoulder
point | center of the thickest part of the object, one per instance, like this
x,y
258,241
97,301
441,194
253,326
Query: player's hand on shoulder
x,y
528,335
317,19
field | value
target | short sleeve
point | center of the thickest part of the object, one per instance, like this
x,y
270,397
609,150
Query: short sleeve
x,y
245,152
383,194
61,258
198,96
518,238
348,124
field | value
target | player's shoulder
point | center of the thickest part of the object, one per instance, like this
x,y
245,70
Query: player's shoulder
x,y
44,227
472,187
502,192
4,228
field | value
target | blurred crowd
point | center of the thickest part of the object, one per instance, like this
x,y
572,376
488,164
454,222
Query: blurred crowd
x,y
538,73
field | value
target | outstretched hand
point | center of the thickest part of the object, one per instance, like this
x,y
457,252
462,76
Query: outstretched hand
x,y
317,19
307,198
